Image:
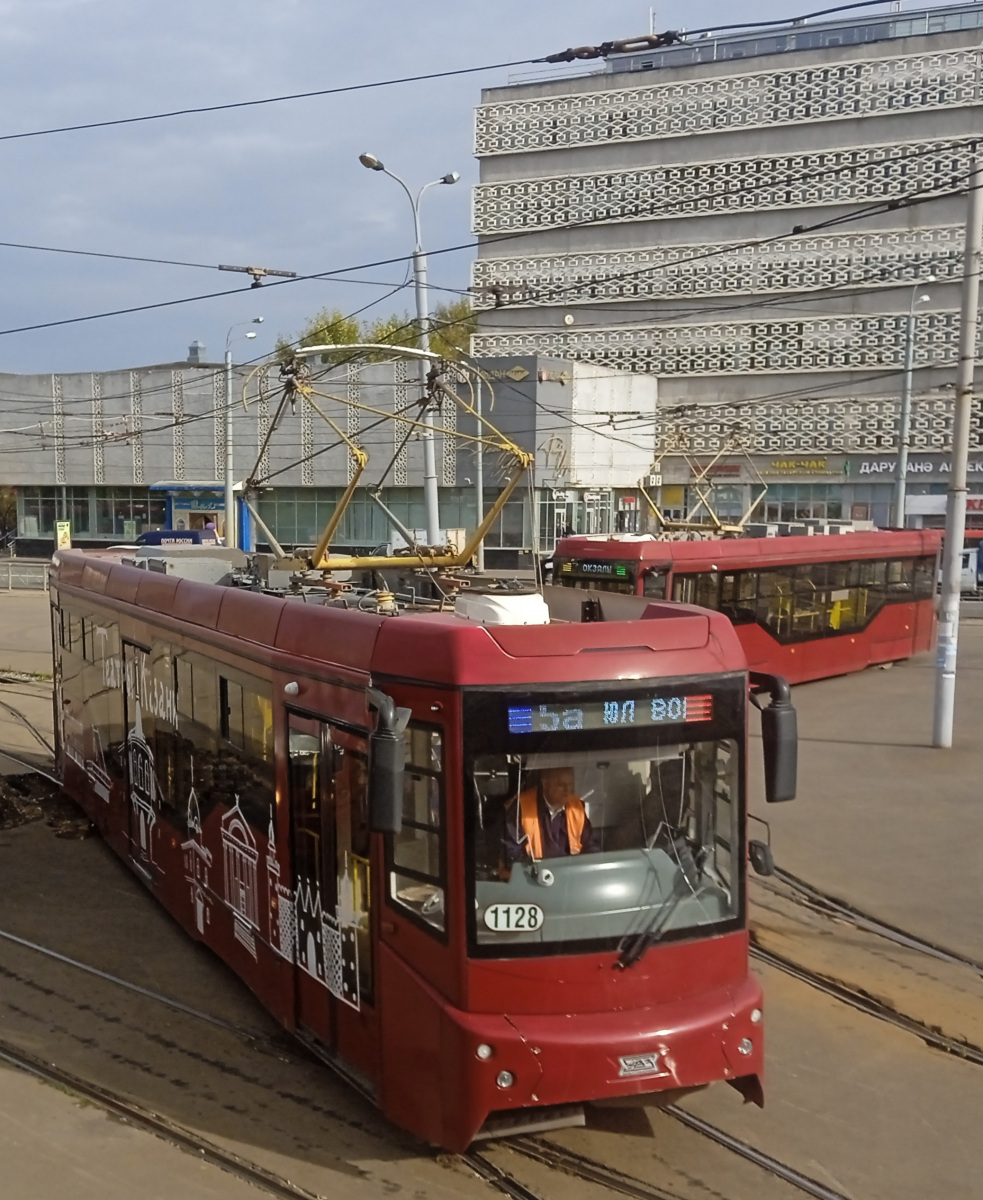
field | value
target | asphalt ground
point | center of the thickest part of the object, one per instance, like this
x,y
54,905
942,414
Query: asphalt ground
x,y
882,820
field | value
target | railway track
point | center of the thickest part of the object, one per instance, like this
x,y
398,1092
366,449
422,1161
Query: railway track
x,y
540,1150
143,1118
831,906
871,1005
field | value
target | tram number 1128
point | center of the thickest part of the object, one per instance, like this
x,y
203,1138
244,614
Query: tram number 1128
x,y
514,918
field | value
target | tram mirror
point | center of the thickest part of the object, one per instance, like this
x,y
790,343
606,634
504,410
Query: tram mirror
x,y
761,857
388,752
780,740
387,756
779,736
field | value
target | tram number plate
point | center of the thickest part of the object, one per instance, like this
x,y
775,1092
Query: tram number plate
x,y
514,918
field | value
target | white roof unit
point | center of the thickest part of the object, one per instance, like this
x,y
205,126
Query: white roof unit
x,y
484,608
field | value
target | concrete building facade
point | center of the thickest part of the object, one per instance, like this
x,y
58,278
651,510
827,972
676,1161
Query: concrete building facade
x,y
125,451
749,217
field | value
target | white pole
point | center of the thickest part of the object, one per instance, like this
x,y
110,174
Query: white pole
x,y
479,481
430,494
955,519
230,500
904,432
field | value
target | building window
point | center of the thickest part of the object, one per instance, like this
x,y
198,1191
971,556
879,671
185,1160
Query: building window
x,y
801,502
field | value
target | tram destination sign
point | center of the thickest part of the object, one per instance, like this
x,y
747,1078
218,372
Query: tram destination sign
x,y
603,568
611,713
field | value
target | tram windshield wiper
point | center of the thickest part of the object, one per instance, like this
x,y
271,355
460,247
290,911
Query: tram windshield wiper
x,y
685,887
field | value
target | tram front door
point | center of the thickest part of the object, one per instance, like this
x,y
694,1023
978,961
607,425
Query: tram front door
x,y
333,943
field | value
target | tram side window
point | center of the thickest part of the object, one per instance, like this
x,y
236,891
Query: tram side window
x,y
246,724
654,583
924,578
232,724
738,596
417,869
701,588
184,686
169,762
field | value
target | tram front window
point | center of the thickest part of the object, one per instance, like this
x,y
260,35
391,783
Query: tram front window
x,y
600,845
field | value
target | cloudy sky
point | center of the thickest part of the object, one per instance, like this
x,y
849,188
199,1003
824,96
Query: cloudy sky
x,y
278,185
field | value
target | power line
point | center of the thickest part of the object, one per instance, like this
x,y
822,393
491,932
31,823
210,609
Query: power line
x,y
892,203
210,108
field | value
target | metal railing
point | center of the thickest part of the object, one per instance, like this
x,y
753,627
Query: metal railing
x,y
24,574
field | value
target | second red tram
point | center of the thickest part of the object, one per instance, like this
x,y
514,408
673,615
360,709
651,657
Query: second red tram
x,y
803,607
345,806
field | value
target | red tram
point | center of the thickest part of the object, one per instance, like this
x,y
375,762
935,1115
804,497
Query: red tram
x,y
325,797
803,607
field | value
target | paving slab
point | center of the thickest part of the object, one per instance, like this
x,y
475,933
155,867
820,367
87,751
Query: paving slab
x,y
882,818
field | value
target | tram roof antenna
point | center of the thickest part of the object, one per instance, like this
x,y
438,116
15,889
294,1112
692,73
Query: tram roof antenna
x,y
259,273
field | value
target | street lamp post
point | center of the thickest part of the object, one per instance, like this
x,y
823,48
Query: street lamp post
x,y
231,532
904,430
423,320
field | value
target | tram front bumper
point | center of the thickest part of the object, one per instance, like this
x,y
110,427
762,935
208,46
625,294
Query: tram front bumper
x,y
559,1059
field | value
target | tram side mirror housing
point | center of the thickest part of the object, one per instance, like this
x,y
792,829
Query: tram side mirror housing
x,y
779,737
761,857
387,757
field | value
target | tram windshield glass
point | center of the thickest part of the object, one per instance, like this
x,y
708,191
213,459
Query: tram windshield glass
x,y
597,820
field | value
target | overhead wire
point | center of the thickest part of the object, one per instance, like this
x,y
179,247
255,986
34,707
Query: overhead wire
x,y
228,107
490,239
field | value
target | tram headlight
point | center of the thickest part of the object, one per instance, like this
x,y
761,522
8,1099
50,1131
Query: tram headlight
x,y
505,1079
745,1046
755,1016
484,1051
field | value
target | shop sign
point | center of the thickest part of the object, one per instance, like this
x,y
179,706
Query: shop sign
x,y
563,377
730,470
63,535
799,466
516,374
917,466
974,503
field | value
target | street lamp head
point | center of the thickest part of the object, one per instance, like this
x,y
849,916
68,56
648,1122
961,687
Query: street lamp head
x,y
931,277
924,298
257,320
250,334
371,162
450,177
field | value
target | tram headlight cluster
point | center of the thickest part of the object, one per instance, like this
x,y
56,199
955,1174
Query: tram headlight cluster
x,y
745,1046
505,1079
484,1051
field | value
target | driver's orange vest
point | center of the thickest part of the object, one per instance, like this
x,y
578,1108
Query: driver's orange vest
x,y
529,813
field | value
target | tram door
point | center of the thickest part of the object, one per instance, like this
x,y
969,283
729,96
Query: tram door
x,y
331,885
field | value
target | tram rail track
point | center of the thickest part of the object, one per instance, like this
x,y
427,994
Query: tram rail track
x,y
870,1005
805,1183
832,906
162,1127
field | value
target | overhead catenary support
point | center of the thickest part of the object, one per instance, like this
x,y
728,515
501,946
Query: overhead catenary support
x,y
955,515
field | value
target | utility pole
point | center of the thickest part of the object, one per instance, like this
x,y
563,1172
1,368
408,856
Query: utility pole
x,y
955,515
479,478
904,431
430,493
231,531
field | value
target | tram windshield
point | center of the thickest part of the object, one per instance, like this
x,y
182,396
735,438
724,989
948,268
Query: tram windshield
x,y
620,827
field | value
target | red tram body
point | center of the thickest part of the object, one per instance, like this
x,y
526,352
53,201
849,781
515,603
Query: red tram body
x,y
803,607
219,739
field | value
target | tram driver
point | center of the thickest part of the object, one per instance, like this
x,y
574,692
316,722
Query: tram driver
x,y
548,821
